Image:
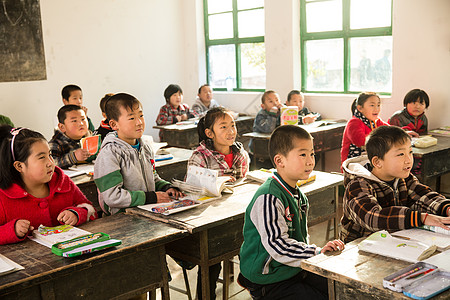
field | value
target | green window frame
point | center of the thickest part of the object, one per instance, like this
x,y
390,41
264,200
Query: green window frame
x,y
235,40
346,34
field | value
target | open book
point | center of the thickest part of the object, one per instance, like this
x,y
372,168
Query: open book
x,y
382,243
8,266
91,144
427,237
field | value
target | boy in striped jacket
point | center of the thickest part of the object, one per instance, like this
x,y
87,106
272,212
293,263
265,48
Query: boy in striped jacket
x,y
275,227
382,194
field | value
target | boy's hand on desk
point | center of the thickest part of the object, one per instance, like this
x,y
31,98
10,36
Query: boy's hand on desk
x,y
178,118
174,193
22,227
308,119
412,133
67,217
82,154
184,117
336,245
434,220
162,197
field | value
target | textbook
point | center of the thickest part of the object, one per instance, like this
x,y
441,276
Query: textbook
x,y
8,266
262,175
91,144
382,243
430,238
182,204
48,236
289,115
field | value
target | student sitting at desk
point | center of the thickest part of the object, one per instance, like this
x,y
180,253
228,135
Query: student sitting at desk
x,y
174,110
275,229
72,94
218,150
204,101
124,171
65,143
412,117
104,127
32,190
296,98
382,194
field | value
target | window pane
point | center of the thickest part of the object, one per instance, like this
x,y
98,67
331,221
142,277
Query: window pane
x,y
324,16
370,64
221,26
215,6
379,16
253,65
222,66
246,4
251,23
325,59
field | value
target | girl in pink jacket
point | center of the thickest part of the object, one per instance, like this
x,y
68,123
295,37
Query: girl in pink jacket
x,y
32,190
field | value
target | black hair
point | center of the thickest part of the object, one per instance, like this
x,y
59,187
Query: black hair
x,y
170,90
103,101
263,97
417,95
62,112
65,93
291,93
112,106
282,137
200,88
22,150
208,121
362,98
383,138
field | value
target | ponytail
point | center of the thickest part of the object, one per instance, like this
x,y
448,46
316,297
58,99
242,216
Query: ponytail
x,y
354,103
21,145
362,98
207,121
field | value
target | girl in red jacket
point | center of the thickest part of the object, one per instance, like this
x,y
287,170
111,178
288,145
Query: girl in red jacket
x,y
365,109
32,190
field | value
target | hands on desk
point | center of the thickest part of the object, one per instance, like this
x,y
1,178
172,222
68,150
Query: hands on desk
x,y
433,220
336,245
22,227
68,217
169,195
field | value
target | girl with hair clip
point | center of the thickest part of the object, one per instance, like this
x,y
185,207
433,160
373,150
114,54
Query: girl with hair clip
x,y
33,191
365,109
218,150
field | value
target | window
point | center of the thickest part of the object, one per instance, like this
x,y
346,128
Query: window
x,y
346,46
235,52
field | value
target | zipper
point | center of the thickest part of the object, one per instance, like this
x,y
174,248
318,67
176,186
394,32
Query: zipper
x,y
142,169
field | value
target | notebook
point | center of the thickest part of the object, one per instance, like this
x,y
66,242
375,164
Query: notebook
x,y
442,241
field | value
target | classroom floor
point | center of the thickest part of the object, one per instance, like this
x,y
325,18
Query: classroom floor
x,y
317,235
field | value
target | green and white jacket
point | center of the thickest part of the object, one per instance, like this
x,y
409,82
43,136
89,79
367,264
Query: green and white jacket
x,y
275,233
126,177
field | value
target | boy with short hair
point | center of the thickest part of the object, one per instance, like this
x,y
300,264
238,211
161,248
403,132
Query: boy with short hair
x,y
382,194
268,117
204,101
275,230
104,127
305,116
72,94
65,144
124,171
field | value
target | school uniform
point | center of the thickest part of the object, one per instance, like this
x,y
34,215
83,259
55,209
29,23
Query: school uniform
x,y
371,204
200,109
304,112
63,149
167,115
403,119
125,176
275,242
355,133
16,203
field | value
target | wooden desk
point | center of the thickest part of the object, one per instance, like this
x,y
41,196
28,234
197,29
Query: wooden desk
x,y
137,266
186,136
435,161
326,138
357,275
216,226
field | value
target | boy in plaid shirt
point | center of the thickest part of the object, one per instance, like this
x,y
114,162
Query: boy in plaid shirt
x,y
382,194
174,110
65,144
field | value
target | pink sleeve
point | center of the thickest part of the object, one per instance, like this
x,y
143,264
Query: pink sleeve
x,y
8,233
81,205
356,133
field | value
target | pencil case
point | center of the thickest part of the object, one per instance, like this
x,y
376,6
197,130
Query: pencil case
x,y
396,281
84,244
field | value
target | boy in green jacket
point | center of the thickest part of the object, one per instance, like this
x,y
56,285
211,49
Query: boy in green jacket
x,y
275,228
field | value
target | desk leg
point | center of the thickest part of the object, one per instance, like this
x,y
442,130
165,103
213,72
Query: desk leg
x,y
322,161
164,270
204,257
331,289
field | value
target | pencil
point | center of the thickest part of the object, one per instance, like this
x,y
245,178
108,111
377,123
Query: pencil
x,y
406,274
420,274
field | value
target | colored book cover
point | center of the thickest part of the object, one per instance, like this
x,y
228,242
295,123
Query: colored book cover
x,y
91,144
52,235
289,115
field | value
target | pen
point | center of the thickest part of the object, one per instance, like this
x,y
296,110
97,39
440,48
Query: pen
x,y
420,274
406,274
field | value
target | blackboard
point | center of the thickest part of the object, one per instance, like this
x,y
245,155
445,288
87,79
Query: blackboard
x,y
21,44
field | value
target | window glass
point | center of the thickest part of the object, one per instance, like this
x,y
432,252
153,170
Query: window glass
x,y
216,6
246,4
253,65
221,26
222,66
251,23
324,16
370,13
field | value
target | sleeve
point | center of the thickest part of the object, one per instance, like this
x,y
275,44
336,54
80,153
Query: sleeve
x,y
197,159
267,214
363,208
196,109
356,133
160,184
424,199
191,113
164,116
395,120
8,233
109,181
62,160
81,206
265,123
